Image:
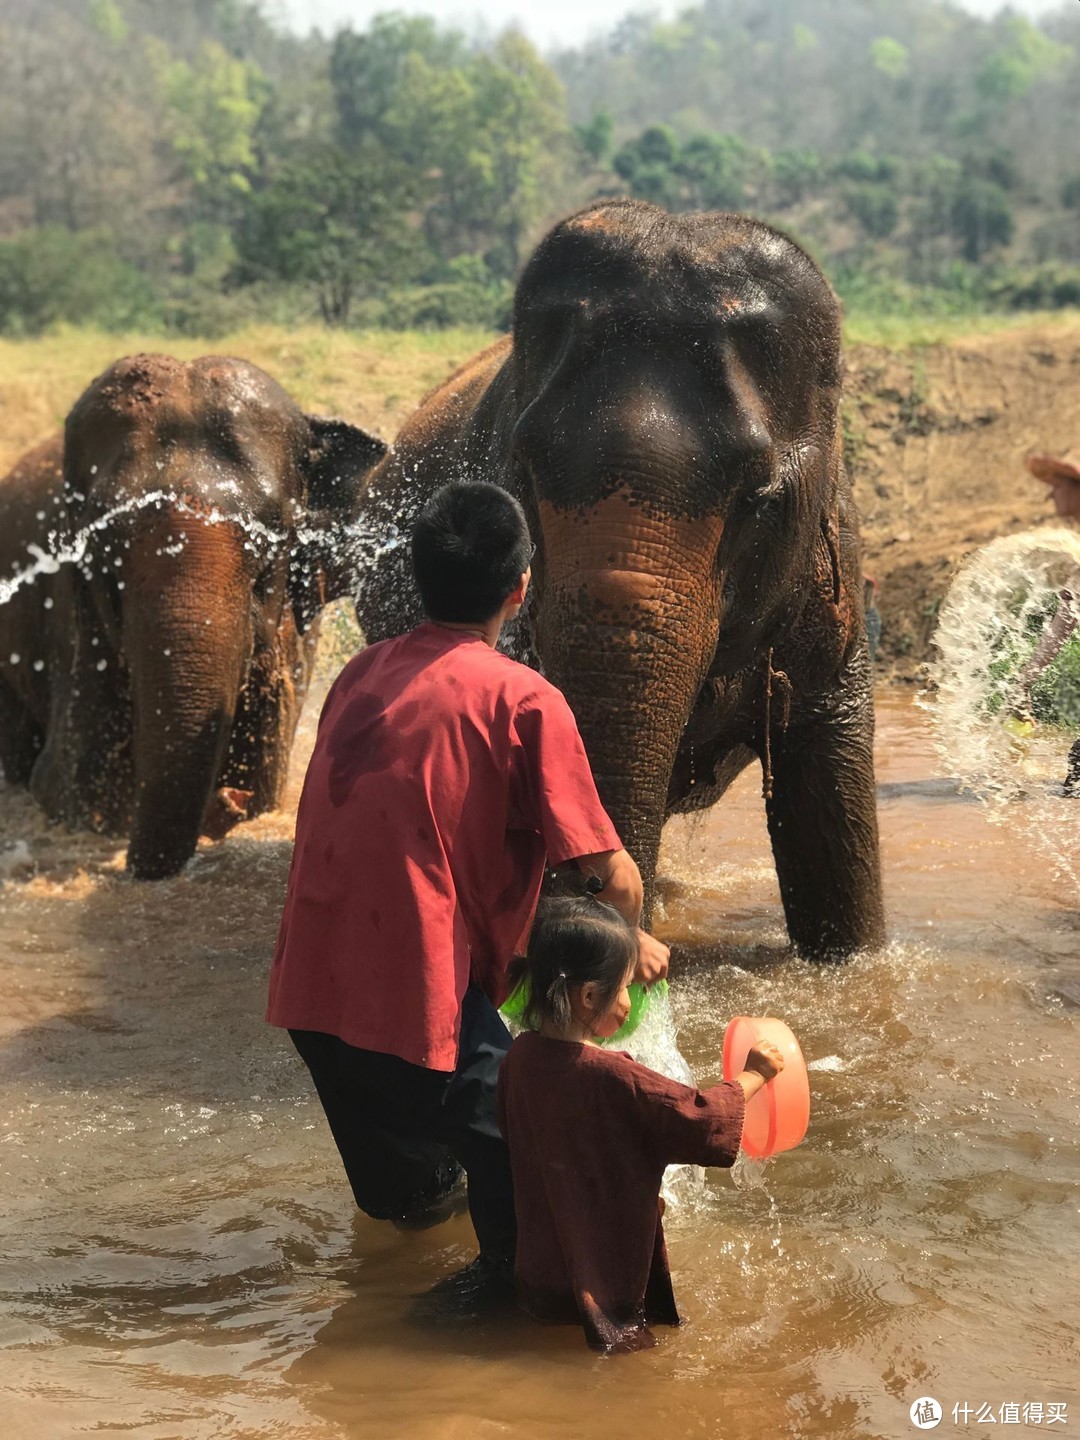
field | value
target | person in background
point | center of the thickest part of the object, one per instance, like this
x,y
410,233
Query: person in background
x,y
1063,476
591,1132
444,777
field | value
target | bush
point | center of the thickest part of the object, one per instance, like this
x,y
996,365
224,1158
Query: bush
x,y
208,312
1036,287
53,276
440,307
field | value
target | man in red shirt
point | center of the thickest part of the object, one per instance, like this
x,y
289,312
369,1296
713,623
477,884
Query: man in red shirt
x,y
445,776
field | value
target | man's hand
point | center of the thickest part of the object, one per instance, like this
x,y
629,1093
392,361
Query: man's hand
x,y
621,879
653,957
623,890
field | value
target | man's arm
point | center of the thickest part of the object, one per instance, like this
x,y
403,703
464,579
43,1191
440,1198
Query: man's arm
x,y
1053,639
621,887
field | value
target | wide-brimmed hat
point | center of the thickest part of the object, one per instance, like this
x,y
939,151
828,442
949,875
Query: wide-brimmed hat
x,y
1052,468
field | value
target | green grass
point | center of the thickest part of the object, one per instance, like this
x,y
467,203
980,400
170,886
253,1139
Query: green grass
x,y
904,332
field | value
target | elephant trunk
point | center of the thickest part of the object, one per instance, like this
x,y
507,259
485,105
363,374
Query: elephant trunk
x,y
627,623
187,636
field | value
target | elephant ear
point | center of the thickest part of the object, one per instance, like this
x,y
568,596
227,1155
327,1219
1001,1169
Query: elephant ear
x,y
336,465
339,459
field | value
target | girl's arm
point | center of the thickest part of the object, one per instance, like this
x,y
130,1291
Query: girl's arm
x,y
695,1127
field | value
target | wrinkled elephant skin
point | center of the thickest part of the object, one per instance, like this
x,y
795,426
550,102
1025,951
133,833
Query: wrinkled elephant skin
x,y
153,687
666,409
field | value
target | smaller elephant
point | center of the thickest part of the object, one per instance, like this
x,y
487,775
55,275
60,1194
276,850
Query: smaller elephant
x,y
151,681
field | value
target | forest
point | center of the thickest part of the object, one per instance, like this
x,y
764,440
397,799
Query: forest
x,y
189,165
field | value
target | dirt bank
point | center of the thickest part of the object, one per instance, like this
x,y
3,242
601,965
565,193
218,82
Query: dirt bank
x,y
936,437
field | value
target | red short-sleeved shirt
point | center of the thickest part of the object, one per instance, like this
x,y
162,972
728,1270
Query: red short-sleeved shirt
x,y
590,1133
443,774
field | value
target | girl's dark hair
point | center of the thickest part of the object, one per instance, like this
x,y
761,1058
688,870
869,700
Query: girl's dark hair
x,y
574,940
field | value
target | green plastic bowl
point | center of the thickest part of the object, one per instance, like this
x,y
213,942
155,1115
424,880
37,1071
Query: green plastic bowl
x,y
514,1004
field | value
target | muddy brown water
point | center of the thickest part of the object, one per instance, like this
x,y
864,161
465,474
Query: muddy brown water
x,y
179,1256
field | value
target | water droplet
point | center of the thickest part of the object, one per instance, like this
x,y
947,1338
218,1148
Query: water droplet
x,y
39,665
14,658
48,602
102,664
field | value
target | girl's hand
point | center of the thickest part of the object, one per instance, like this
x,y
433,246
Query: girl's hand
x,y
653,957
766,1060
763,1063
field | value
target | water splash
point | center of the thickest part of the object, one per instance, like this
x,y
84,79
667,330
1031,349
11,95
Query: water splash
x,y
989,624
655,1041
747,1173
655,1044
359,545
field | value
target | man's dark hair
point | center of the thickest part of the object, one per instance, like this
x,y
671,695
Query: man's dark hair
x,y
470,547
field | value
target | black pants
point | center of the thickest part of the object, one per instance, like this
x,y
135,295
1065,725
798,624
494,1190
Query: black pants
x,y
403,1131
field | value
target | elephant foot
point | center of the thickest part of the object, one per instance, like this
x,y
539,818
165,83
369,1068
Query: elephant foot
x,y
226,809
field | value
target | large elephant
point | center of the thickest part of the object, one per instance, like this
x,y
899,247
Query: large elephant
x,y
151,682
666,409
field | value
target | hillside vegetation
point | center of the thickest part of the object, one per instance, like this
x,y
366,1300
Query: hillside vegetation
x,y
190,167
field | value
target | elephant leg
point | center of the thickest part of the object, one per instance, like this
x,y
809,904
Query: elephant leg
x,y
21,737
83,775
823,825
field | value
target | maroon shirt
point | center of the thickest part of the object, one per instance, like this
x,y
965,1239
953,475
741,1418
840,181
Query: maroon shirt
x,y
442,776
590,1133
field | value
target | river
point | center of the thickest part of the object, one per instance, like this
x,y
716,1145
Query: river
x,y
179,1256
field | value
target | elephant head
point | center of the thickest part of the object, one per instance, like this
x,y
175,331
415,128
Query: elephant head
x,y
206,501
676,382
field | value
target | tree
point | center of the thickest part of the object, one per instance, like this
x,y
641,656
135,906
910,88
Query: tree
x,y
980,217
889,57
1024,54
875,207
334,222
796,173
595,137
367,71
212,108
647,164
492,141
716,171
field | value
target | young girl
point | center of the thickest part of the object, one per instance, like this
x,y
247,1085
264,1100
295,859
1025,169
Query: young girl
x,y
591,1132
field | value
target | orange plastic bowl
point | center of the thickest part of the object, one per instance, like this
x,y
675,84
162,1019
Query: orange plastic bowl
x,y
777,1116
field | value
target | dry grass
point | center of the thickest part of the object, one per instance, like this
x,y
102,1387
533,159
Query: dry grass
x,y
372,379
